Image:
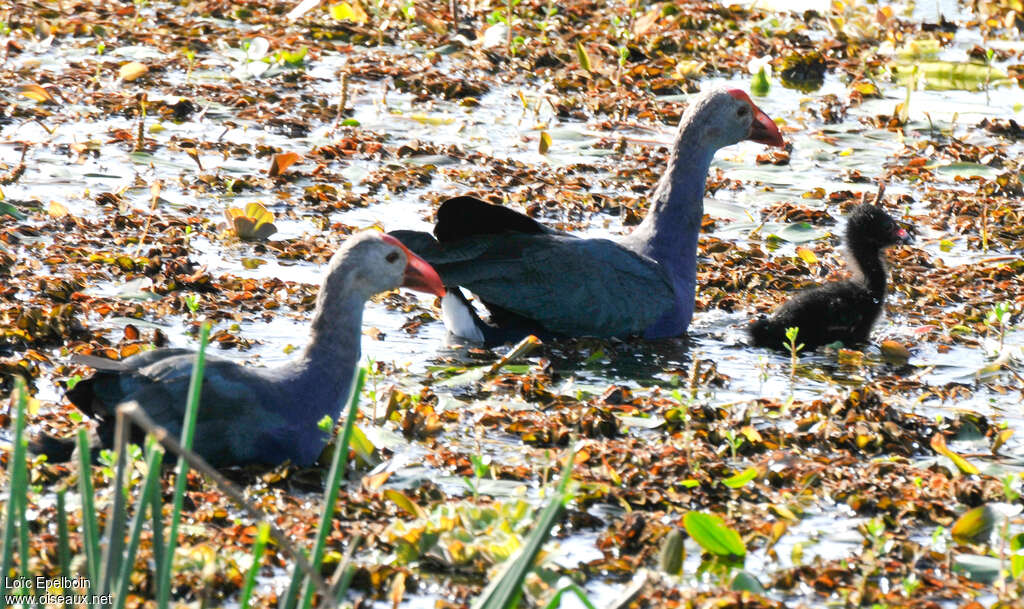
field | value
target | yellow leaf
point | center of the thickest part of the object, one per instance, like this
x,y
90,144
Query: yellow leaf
x,y
403,501
751,434
56,210
806,254
1001,439
432,120
343,11
132,70
894,352
938,444
545,142
37,93
974,526
784,512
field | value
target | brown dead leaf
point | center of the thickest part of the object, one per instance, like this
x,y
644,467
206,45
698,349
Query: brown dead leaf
x,y
282,162
37,93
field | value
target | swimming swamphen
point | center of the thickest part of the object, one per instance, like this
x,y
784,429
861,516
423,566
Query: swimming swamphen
x,y
841,310
259,415
534,279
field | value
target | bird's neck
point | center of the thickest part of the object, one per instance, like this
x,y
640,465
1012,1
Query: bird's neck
x,y
867,267
324,370
671,229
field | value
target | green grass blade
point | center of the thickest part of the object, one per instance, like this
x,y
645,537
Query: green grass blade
x,y
18,480
257,559
150,487
188,429
114,537
90,526
156,512
338,466
504,591
63,539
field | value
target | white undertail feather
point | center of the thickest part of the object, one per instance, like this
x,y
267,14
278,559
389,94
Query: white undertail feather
x,y
459,318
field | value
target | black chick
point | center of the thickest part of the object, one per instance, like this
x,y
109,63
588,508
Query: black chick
x,y
840,310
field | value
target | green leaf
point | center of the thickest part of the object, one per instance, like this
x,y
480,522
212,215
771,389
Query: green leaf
x,y
746,581
974,526
672,553
982,569
1017,560
6,209
361,444
800,232
581,54
505,590
741,479
714,535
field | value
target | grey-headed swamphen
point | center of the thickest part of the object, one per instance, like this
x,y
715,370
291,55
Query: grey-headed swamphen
x,y
259,415
534,279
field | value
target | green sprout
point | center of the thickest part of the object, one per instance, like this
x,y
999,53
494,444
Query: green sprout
x,y
192,302
735,440
794,349
997,318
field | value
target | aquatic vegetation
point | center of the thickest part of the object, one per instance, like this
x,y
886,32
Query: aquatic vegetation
x,y
253,223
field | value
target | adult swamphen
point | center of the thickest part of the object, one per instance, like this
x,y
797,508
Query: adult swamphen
x,y
259,415
840,310
534,279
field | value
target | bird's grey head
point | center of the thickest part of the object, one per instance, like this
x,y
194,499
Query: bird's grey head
x,y
371,261
723,117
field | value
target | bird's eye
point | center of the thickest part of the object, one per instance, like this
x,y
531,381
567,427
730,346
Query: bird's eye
x,y
743,110
392,257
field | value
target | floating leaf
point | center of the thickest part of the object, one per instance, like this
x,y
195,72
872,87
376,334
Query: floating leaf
x,y
714,535
975,525
37,93
806,254
983,569
343,11
672,553
56,210
281,162
1001,439
894,352
403,501
800,232
253,263
7,209
436,121
746,581
741,479
581,54
132,71
947,75
545,142
1017,559
938,444
362,446
254,223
